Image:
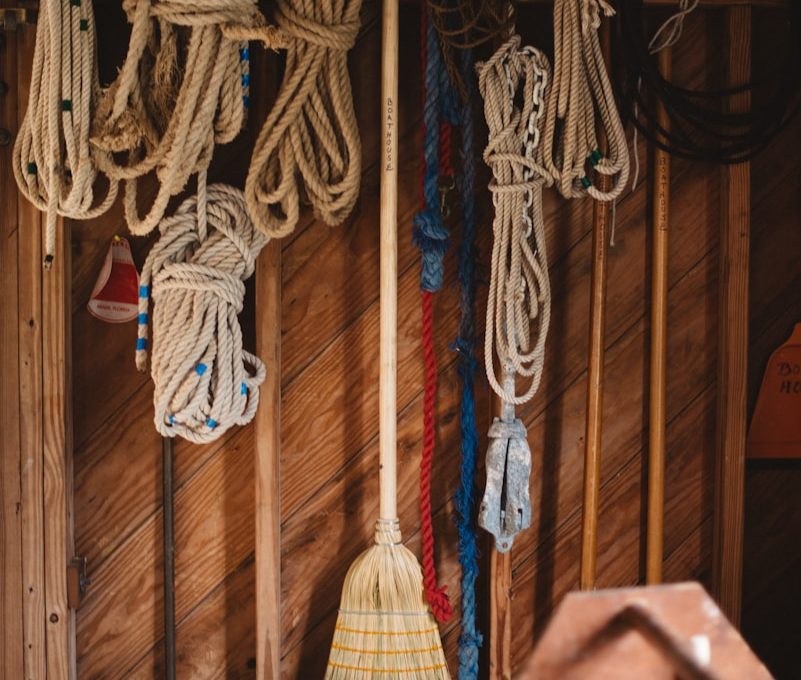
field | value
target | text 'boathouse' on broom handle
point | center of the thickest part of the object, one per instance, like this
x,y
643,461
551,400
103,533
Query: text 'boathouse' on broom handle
x,y
385,627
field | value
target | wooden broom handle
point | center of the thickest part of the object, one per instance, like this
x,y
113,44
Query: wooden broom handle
x,y
389,262
657,378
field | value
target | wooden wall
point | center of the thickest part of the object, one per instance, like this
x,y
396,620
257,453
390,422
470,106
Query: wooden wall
x,y
329,373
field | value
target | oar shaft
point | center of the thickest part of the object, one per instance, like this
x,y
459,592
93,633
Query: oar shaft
x,y
168,556
659,293
389,260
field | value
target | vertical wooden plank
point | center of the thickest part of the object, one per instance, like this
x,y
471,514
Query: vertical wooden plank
x,y
11,640
733,342
30,385
268,449
57,468
655,538
500,629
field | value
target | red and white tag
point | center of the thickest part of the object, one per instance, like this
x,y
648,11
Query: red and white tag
x,y
115,295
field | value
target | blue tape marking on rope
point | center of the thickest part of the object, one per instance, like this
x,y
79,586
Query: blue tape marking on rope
x,y
212,423
244,54
144,291
141,343
172,420
246,79
246,101
244,389
200,369
142,318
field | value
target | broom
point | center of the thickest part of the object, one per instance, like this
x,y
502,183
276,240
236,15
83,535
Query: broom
x,y
384,628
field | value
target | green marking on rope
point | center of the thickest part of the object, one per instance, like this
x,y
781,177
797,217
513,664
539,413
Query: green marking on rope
x,y
585,182
595,157
75,3
66,105
32,168
84,24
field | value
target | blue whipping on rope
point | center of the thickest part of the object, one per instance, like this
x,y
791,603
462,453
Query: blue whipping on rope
x,y
430,234
467,495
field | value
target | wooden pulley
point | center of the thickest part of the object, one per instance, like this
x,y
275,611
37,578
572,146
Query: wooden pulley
x,y
775,430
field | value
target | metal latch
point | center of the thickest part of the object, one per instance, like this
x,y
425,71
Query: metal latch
x,y
11,17
77,581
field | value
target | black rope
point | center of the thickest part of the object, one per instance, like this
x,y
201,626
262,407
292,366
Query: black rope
x,y
701,127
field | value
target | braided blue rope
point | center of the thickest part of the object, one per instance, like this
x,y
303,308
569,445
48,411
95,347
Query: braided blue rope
x,y
430,234
467,495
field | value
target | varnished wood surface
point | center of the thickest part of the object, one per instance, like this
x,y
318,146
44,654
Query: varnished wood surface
x,y
329,404
733,341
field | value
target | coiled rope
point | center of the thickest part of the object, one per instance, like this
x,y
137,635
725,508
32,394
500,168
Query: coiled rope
x,y
205,382
54,166
311,129
431,236
581,91
513,85
169,106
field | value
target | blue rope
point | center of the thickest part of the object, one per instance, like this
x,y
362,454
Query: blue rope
x,y
430,234
467,495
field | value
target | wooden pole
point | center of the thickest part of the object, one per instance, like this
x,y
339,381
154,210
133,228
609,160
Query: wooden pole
x,y
268,417
595,374
659,293
168,554
389,262
733,342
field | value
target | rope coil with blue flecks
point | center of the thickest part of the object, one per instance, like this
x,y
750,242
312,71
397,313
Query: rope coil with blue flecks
x,y
205,382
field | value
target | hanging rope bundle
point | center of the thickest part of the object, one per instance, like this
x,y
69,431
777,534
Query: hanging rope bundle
x,y
467,495
701,127
311,129
581,92
170,105
513,84
54,166
205,382
431,236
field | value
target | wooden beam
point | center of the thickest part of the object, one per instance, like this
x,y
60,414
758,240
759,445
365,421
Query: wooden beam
x,y
11,589
500,630
268,450
733,342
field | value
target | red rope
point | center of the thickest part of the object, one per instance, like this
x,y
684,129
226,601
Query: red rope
x,y
436,596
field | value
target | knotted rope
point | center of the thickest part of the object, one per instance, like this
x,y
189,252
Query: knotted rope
x,y
205,382
513,84
467,495
311,129
170,105
431,236
54,166
581,90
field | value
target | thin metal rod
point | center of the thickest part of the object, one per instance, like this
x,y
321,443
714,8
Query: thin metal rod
x,y
169,557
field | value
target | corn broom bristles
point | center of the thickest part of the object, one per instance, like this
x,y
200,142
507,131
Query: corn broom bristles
x,y
384,628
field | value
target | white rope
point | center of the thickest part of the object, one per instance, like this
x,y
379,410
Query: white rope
x,y
205,382
513,85
170,105
581,92
54,166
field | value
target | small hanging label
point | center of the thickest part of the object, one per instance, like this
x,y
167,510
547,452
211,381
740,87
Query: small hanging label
x,y
114,298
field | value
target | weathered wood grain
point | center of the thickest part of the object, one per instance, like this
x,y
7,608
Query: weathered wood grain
x,y
11,571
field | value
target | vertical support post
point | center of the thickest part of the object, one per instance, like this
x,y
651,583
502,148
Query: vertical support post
x,y
733,342
268,449
500,591
657,378
168,555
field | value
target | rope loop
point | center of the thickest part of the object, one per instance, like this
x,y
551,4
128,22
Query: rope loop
x,y
205,382
309,146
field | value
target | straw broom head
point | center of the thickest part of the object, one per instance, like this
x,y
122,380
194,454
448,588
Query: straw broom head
x,y
384,628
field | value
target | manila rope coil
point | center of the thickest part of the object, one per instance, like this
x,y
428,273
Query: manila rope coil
x,y
513,84
311,129
54,165
581,88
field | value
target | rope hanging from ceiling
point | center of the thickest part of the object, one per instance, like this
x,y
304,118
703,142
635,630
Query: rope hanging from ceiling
x,y
702,126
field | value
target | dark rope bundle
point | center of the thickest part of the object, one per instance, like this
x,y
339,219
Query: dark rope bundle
x,y
701,127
